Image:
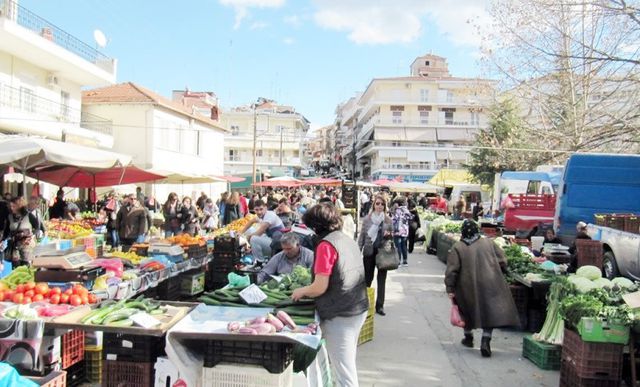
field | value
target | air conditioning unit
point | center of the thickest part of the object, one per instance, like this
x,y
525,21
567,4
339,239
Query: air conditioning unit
x,y
52,80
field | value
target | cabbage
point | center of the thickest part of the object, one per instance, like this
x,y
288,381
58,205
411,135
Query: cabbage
x,y
589,272
622,282
603,283
582,284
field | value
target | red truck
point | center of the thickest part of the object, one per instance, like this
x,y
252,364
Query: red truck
x,y
528,211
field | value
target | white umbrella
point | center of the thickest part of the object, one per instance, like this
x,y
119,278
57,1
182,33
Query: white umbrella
x,y
185,178
414,187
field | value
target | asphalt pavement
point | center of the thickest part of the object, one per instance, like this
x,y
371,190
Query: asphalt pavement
x,y
415,345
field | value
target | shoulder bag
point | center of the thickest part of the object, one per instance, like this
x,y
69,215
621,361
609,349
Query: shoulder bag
x,y
387,257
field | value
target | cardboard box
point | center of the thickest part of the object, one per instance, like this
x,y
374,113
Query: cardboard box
x,y
192,283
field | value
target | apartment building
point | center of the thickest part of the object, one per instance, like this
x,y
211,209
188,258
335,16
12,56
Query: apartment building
x,y
161,135
411,127
279,133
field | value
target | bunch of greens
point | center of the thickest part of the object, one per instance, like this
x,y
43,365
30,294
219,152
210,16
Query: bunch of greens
x,y
519,263
299,277
604,303
452,228
552,331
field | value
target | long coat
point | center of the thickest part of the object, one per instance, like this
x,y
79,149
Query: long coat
x,y
474,275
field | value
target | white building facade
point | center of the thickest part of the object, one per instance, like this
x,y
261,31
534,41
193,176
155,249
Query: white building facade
x,y
408,128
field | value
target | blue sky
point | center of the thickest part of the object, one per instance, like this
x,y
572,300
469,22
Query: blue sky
x,y
311,54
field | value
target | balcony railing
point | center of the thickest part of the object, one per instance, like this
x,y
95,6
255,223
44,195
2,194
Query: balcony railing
x,y
25,100
11,10
415,166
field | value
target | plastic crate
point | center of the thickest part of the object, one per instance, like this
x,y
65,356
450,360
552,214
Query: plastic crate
x,y
275,357
545,356
224,261
371,294
196,251
132,348
53,379
169,289
239,375
632,224
76,375
592,360
366,332
226,244
570,378
535,319
600,331
93,364
589,252
129,374
72,348
520,295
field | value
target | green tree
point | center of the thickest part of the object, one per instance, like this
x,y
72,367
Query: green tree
x,y
504,145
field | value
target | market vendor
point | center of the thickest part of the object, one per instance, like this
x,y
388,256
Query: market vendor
x,y
292,254
268,228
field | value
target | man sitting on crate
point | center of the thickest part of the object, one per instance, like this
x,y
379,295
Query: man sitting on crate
x,y
268,229
292,254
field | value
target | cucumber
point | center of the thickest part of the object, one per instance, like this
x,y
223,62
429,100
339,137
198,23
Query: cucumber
x,y
297,312
303,321
226,303
290,302
127,322
209,301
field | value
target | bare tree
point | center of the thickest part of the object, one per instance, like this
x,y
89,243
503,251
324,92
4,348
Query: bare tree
x,y
573,67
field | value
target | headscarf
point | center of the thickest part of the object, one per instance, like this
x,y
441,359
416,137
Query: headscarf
x,y
470,232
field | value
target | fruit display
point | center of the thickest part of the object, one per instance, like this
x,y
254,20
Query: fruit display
x,y
68,229
129,256
235,226
36,292
186,240
19,275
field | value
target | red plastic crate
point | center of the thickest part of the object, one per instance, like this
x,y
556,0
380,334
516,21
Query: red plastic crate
x,y
124,373
570,378
589,252
592,360
72,349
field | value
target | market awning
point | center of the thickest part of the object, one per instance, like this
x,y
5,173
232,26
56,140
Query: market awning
x,y
446,177
284,181
170,177
414,187
232,179
68,176
322,181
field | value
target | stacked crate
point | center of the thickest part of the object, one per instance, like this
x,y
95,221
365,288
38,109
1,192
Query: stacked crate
x,y
520,295
226,255
589,364
128,360
366,332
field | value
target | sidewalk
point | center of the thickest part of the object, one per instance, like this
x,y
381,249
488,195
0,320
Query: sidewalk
x,y
415,345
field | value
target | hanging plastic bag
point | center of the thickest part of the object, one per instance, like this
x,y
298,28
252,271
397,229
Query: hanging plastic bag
x,y
456,317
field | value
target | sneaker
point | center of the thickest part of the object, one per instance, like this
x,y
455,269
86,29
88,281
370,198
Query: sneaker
x,y
405,264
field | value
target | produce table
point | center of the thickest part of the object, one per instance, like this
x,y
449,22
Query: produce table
x,y
72,321
210,323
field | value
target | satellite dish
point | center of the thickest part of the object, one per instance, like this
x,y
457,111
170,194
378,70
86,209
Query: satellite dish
x,y
100,39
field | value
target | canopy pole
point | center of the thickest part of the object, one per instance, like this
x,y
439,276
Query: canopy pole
x,y
94,194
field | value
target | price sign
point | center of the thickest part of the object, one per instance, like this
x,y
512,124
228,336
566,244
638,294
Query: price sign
x,y
253,295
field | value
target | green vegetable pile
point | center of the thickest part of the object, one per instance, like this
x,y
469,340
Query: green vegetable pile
x,y
452,227
519,263
278,296
118,314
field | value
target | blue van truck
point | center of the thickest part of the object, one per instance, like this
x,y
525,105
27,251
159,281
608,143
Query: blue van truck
x,y
600,184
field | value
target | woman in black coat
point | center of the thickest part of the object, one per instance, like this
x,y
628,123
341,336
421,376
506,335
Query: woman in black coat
x,y
414,225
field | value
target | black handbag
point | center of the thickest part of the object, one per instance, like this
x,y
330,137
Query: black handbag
x,y
387,257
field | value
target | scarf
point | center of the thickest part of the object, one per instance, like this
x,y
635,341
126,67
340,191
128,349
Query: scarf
x,y
470,232
376,221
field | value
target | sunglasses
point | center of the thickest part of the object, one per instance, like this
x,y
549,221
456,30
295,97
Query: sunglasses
x,y
379,204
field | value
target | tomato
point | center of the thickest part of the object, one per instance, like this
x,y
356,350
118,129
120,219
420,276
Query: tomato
x,y
64,298
55,290
20,288
92,298
18,298
68,292
30,285
29,293
75,300
84,298
42,288
55,299
38,297
27,300
8,295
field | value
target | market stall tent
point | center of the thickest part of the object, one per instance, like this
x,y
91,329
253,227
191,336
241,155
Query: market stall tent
x,y
448,177
76,177
284,181
322,181
414,187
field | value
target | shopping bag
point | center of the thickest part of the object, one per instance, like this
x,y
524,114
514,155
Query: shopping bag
x,y
387,257
456,317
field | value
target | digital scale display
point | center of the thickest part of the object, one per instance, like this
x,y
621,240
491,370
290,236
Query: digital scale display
x,y
68,261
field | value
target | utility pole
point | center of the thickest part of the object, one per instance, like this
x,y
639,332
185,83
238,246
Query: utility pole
x,y
255,132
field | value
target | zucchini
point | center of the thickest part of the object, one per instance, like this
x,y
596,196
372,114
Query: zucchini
x,y
127,322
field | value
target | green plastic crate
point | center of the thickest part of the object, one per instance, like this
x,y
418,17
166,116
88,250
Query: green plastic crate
x,y
545,356
601,331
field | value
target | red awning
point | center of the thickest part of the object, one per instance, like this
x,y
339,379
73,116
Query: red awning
x,y
65,176
384,182
231,179
321,181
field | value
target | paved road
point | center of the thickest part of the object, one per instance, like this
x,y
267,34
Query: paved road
x,y
415,345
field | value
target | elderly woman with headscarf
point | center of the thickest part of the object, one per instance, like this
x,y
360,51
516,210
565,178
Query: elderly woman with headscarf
x,y
474,280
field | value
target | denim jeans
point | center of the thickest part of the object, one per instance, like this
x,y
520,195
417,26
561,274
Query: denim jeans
x,y
115,239
401,246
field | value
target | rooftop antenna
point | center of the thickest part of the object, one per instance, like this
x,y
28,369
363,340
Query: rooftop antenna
x,y
100,38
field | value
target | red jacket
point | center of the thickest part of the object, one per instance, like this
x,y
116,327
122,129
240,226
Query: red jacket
x,y
244,207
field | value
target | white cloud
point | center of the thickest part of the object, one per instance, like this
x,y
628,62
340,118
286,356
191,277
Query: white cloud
x,y
401,21
258,25
242,7
288,41
293,20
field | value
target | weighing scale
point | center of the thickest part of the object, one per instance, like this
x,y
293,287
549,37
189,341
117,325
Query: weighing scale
x,y
74,267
